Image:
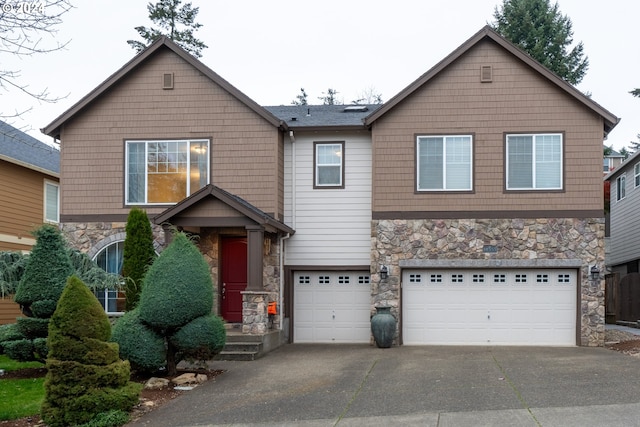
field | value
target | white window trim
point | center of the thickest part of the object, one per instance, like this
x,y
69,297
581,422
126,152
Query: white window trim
x,y
621,187
636,175
44,208
146,151
317,165
444,168
533,160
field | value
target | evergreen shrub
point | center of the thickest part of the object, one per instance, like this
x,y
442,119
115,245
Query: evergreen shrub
x,y
144,348
77,391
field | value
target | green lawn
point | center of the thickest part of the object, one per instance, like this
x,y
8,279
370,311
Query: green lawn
x,y
19,398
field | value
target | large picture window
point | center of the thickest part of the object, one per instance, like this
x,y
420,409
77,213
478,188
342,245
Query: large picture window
x,y
534,162
329,165
445,163
165,172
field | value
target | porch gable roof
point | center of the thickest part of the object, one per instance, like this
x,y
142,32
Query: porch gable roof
x,y
246,209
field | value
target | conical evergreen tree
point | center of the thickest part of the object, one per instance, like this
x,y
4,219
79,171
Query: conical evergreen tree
x,y
85,375
138,255
44,278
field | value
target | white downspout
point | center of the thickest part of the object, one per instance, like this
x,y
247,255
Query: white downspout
x,y
292,138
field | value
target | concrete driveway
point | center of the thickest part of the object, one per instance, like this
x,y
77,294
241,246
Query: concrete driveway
x,y
360,385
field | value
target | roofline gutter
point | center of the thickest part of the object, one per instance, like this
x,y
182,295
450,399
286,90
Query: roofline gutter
x,y
29,166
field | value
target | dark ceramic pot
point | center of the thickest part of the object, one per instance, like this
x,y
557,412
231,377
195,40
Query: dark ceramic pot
x,y
383,327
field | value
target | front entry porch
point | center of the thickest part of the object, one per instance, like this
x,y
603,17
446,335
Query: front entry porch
x,y
242,246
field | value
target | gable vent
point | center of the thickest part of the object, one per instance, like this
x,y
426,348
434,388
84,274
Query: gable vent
x,y
486,74
167,81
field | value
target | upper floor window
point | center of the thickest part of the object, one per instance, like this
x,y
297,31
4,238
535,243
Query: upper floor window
x,y
329,165
444,163
164,172
621,187
51,202
636,174
534,162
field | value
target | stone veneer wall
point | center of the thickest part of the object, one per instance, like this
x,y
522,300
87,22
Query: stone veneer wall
x,y
529,242
91,237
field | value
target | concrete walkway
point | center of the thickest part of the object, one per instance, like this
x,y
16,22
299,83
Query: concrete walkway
x,y
360,385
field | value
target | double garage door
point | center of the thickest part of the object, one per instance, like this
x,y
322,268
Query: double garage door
x,y
332,307
449,307
491,307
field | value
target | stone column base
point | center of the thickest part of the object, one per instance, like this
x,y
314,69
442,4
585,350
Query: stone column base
x,y
255,319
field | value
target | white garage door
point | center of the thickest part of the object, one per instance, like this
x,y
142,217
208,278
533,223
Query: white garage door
x,y
331,307
493,307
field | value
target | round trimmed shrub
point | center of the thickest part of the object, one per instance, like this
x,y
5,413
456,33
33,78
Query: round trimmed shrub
x,y
40,348
20,350
9,332
32,327
201,339
44,308
177,287
144,348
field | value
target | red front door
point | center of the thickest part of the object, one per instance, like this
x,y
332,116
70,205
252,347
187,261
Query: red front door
x,y
234,277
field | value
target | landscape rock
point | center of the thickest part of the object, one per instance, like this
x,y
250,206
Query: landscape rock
x,y
155,383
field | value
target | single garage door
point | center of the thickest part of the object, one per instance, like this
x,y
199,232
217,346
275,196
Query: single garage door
x,y
331,307
489,307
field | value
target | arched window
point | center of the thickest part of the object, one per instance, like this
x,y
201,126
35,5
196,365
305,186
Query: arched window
x,y
110,260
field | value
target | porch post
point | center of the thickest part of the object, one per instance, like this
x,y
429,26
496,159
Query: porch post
x,y
255,239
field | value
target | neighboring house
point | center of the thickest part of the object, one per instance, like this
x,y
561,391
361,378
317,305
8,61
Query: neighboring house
x,y
624,253
477,189
611,161
29,178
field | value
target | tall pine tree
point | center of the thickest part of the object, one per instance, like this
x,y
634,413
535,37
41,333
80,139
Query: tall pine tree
x,y
542,31
167,16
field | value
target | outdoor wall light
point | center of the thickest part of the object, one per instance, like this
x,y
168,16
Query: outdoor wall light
x,y
384,272
594,273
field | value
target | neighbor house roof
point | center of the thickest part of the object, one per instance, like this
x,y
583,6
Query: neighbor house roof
x,y
239,204
19,148
310,117
627,164
53,129
610,121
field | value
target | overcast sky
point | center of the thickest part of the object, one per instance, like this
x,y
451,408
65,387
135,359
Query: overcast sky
x,y
271,49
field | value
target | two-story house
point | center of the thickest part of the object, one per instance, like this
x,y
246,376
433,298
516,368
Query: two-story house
x,y
623,257
471,202
29,178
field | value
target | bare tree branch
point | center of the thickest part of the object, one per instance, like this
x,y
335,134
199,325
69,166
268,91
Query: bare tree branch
x,y
23,26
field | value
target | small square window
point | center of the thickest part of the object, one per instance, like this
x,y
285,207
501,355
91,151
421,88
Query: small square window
x,y
364,280
324,280
478,278
456,278
343,280
304,280
436,278
499,278
521,278
415,278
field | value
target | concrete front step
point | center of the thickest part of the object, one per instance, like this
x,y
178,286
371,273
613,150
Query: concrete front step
x,y
246,347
